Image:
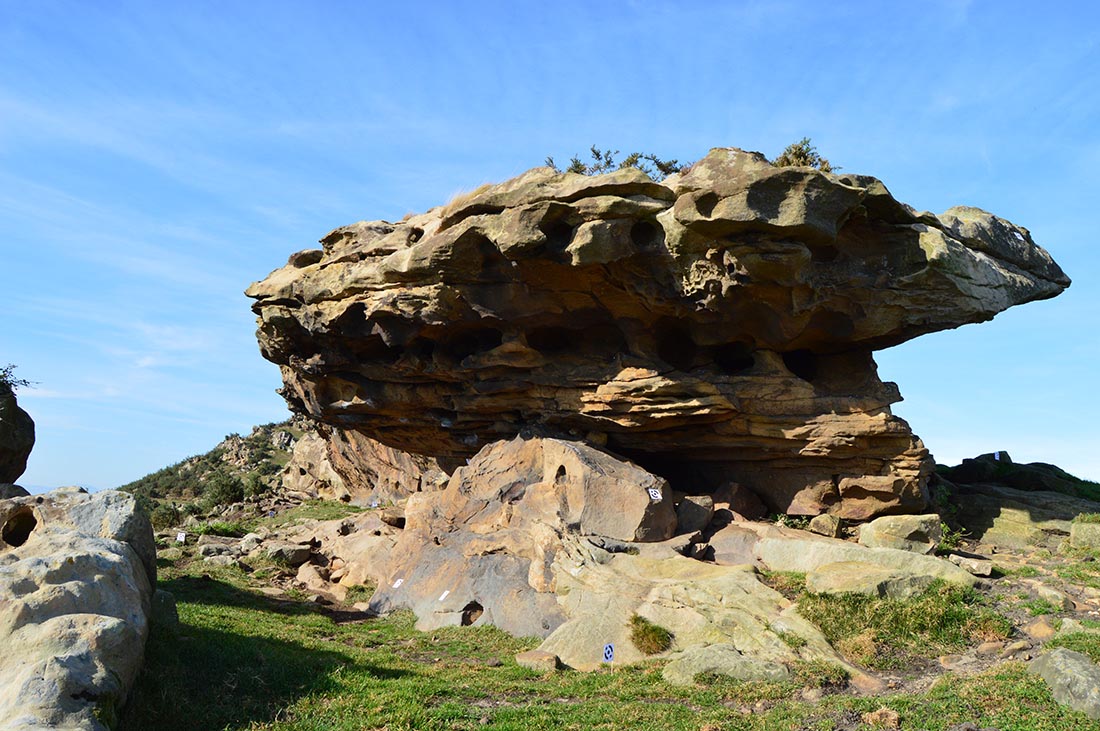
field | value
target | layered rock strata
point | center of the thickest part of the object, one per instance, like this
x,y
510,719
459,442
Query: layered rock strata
x,y
77,573
717,326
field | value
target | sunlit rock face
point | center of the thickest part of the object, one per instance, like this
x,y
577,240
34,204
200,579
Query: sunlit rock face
x,y
717,326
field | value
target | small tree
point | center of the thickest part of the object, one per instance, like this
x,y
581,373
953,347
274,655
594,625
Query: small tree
x,y
603,161
8,382
803,154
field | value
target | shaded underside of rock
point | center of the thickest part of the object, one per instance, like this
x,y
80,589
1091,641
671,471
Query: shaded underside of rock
x,y
76,580
716,326
16,437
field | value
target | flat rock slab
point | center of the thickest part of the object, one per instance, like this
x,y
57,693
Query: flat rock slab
x,y
858,577
720,660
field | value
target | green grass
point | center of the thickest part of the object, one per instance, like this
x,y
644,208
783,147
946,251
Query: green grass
x,y
819,674
1017,571
1087,518
241,661
359,593
897,633
790,584
1039,607
312,510
229,529
1082,573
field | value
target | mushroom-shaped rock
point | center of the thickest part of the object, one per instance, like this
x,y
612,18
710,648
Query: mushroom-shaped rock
x,y
714,328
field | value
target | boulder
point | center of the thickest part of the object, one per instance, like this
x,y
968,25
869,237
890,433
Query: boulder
x,y
76,586
539,661
694,513
8,490
1073,678
917,533
825,525
718,327
1084,535
290,554
16,436
482,549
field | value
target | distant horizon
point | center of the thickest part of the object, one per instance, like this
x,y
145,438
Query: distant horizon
x,y
156,159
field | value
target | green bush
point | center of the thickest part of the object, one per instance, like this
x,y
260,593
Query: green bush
x,y
803,154
164,515
8,382
649,638
603,161
222,489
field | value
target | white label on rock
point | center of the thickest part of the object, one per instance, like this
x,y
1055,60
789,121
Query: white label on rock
x,y
397,584
997,456
444,595
654,495
609,652
181,537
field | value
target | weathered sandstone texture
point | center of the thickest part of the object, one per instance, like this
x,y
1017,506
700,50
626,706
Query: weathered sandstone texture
x,y
16,437
76,580
717,326
556,539
338,464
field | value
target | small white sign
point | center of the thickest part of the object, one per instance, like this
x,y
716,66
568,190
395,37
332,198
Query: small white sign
x,y
181,538
997,456
397,584
609,652
444,595
654,494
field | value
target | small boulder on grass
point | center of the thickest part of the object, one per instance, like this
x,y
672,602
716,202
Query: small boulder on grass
x,y
916,533
538,660
649,638
1073,679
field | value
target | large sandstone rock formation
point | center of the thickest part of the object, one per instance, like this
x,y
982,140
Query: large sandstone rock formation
x,y
16,436
76,580
716,326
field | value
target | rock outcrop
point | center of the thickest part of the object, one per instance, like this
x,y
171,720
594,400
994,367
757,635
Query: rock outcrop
x,y
485,546
336,464
77,573
717,326
16,436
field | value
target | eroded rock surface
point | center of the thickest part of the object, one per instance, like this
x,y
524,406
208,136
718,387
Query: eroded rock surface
x,y
76,581
484,548
716,326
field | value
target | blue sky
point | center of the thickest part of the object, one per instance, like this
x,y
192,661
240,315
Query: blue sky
x,y
156,158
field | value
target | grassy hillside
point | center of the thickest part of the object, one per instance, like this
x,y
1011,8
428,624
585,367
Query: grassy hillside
x,y
237,468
